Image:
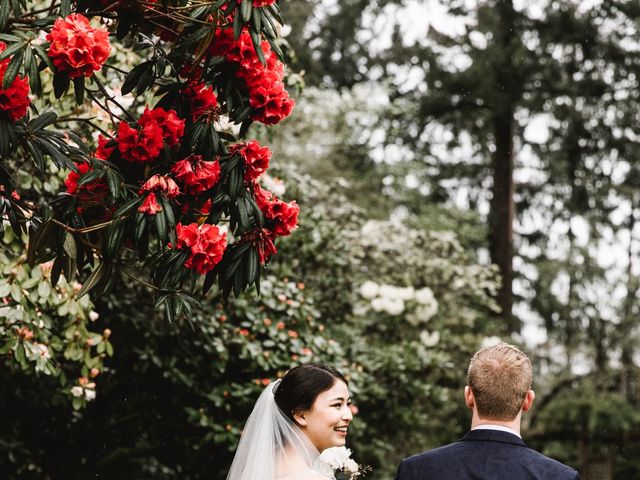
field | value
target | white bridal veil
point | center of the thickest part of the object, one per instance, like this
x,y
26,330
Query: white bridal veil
x,y
271,447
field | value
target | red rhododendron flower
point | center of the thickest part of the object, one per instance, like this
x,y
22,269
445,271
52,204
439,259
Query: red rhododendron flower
x,y
263,197
256,158
15,99
77,48
103,152
162,183
92,192
282,216
206,243
264,244
267,93
171,125
195,174
202,99
139,145
150,205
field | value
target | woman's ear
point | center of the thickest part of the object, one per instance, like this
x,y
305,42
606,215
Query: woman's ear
x,y
300,416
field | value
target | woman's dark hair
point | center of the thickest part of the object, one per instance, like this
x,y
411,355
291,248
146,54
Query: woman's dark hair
x,y
300,387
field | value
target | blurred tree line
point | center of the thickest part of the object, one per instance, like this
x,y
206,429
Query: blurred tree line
x,y
420,156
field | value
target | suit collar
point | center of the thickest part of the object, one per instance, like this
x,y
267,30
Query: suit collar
x,y
493,436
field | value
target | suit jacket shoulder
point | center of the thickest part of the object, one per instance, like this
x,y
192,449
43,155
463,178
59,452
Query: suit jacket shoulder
x,y
484,454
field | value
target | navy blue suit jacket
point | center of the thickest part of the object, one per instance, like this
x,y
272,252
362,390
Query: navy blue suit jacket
x,y
484,455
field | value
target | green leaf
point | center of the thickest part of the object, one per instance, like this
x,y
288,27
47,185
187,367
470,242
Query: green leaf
x,y
5,10
14,48
93,279
43,56
37,155
246,8
114,183
168,210
145,81
70,246
256,20
127,207
42,121
13,69
113,239
34,78
268,26
65,8
195,37
78,89
70,268
61,84
253,263
237,24
161,225
133,77
43,234
141,225
56,269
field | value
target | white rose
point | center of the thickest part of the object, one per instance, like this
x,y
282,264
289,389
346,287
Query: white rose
x,y
335,456
76,391
424,296
369,289
350,466
89,395
393,306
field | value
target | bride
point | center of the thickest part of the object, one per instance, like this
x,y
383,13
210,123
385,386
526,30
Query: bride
x,y
292,422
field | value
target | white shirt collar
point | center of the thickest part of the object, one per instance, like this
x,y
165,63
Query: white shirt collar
x,y
497,427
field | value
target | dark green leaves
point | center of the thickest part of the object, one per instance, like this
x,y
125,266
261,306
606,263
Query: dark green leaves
x,y
140,78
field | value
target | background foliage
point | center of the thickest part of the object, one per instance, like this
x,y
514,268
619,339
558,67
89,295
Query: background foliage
x,y
392,156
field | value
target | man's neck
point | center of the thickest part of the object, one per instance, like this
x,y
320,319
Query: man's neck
x,y
513,424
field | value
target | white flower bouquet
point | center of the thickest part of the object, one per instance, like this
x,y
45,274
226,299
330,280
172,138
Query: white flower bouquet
x,y
336,463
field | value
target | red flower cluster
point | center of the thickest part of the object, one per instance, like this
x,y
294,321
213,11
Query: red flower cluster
x,y
206,242
76,47
145,143
267,93
92,192
202,99
264,245
103,152
15,99
283,215
195,174
171,125
156,183
256,158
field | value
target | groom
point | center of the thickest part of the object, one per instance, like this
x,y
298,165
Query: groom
x,y
498,391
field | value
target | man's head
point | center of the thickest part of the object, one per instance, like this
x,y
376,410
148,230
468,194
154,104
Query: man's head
x,y
499,383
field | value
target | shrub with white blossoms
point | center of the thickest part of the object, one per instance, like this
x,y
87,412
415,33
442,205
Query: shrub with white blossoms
x,y
393,300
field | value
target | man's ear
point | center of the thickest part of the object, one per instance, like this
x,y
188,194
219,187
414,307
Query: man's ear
x,y
468,397
528,400
300,416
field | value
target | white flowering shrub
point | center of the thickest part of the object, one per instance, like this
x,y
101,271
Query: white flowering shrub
x,y
45,329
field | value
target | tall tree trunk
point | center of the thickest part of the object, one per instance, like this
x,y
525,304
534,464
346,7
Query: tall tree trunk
x,y
502,211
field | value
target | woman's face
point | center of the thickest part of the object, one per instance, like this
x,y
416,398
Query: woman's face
x,y
327,421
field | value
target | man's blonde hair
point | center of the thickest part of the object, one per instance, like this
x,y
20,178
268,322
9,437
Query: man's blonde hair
x,y
499,377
